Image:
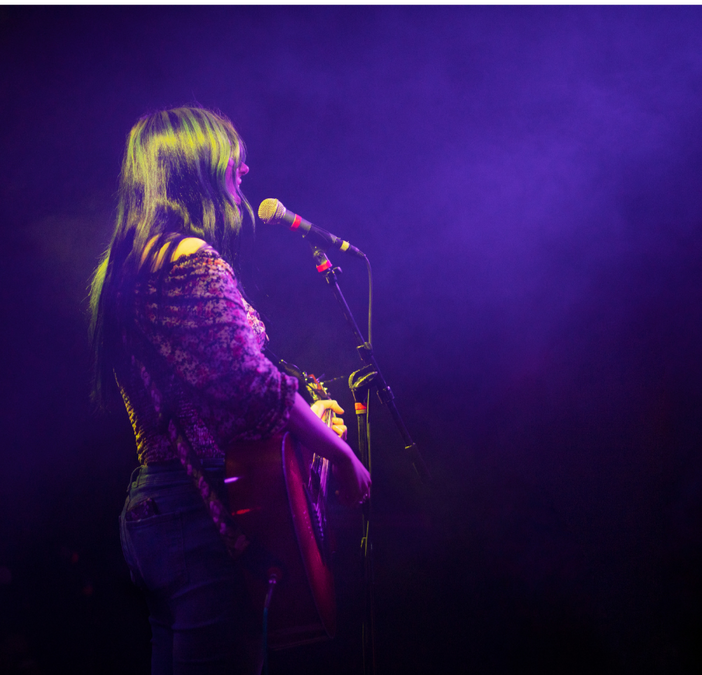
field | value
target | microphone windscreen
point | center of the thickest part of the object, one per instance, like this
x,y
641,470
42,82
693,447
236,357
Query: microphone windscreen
x,y
270,210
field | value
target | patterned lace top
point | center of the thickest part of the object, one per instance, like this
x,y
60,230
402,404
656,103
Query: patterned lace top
x,y
194,351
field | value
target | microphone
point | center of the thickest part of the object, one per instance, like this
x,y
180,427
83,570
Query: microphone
x,y
272,211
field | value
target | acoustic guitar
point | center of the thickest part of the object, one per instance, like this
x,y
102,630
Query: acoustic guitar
x,y
278,494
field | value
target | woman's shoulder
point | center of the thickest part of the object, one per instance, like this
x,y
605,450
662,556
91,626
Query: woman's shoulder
x,y
185,247
195,256
188,246
198,270
193,265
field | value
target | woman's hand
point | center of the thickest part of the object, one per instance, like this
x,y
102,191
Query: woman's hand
x,y
354,479
337,424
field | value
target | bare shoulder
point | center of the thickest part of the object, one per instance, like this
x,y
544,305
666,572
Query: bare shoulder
x,y
188,246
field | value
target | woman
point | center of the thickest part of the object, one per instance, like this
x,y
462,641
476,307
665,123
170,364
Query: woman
x,y
175,338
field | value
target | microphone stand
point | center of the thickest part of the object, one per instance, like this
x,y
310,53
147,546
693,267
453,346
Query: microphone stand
x,y
361,382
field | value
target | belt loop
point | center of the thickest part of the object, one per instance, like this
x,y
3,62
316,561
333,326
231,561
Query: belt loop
x,y
132,480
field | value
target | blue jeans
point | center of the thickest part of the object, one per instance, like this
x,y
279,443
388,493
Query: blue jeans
x,y
201,617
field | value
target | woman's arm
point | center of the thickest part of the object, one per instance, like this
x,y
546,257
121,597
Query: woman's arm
x,y
354,479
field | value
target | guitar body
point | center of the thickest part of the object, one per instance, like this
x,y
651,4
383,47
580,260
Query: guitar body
x,y
276,492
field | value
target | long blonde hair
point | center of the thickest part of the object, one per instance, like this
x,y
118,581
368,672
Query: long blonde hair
x,y
172,186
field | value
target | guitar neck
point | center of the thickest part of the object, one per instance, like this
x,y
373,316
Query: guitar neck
x,y
319,393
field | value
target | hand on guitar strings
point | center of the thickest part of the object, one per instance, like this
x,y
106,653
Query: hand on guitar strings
x,y
353,478
320,409
325,409
354,481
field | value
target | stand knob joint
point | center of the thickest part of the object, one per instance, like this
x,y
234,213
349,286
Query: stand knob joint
x,y
365,351
386,395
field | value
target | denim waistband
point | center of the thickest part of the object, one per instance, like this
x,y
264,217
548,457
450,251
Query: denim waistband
x,y
172,471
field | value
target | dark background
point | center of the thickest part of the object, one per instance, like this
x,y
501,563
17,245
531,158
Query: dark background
x,y
526,183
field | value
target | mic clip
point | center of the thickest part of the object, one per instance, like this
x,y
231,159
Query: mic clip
x,y
320,259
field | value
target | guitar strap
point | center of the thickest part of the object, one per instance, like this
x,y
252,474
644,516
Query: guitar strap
x,y
171,411
257,560
233,537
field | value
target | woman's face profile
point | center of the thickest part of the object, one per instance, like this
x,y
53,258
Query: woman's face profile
x,y
232,178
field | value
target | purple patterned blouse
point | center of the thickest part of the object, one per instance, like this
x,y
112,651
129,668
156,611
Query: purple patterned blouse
x,y
194,350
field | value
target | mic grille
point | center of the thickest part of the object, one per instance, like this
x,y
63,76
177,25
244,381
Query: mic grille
x,y
270,210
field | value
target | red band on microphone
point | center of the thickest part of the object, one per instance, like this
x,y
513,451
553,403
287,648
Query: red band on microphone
x,y
296,222
360,408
